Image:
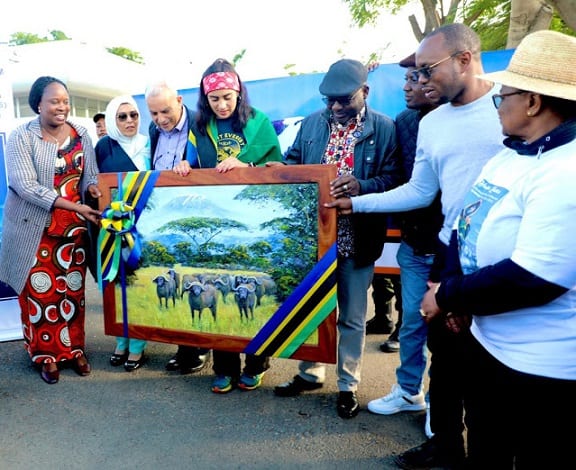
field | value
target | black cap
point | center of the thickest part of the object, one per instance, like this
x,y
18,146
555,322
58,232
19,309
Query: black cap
x,y
409,61
98,116
343,78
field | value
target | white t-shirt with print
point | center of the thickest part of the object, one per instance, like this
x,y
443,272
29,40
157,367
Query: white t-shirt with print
x,y
524,208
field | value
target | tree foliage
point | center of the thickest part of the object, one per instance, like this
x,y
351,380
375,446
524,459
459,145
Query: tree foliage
x,y
156,254
201,230
20,39
127,54
493,20
297,227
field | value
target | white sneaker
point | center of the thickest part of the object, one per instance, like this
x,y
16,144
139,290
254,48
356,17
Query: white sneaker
x,y
397,400
427,427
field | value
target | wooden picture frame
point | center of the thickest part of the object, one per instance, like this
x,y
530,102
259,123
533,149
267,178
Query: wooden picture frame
x,y
248,226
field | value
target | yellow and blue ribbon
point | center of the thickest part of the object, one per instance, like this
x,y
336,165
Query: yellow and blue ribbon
x,y
118,241
192,150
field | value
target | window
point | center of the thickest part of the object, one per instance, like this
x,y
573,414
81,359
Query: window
x,y
80,106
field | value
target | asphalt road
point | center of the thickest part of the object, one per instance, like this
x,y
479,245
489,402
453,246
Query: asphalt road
x,y
154,419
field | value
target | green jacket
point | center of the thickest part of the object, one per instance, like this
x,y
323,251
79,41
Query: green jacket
x,y
262,143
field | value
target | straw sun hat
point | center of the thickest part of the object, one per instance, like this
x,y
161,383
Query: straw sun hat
x,y
544,62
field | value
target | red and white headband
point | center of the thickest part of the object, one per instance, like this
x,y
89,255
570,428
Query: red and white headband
x,y
221,81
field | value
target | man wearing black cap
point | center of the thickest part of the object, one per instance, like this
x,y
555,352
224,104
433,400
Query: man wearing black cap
x,y
362,143
100,121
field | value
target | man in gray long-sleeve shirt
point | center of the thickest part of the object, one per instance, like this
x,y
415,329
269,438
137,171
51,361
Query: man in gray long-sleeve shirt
x,y
454,142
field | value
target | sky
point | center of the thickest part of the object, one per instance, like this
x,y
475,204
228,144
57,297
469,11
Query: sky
x,y
311,34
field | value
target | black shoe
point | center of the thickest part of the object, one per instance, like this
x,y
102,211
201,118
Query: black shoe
x,y
131,365
347,405
379,326
295,387
194,365
430,455
118,359
392,344
173,364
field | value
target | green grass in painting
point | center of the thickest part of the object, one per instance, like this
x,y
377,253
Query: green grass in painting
x,y
144,308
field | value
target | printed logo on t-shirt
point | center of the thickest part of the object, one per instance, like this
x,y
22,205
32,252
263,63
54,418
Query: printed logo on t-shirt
x,y
477,204
229,145
230,142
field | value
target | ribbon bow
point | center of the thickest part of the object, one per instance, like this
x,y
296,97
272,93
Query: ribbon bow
x,y
118,240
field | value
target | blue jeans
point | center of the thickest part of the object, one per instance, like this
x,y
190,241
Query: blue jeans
x,y
414,273
353,285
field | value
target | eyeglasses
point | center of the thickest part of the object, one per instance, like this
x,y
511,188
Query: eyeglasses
x,y
342,100
123,116
427,70
497,99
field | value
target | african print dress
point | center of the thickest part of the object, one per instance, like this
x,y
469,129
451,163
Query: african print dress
x,y
52,302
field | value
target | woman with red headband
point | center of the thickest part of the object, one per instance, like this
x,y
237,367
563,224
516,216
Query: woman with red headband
x,y
229,133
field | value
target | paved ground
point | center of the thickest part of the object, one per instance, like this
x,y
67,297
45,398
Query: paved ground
x,y
152,419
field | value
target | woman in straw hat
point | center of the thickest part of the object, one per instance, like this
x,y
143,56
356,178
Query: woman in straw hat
x,y
515,267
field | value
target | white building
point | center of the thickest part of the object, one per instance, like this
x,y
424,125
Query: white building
x,y
93,77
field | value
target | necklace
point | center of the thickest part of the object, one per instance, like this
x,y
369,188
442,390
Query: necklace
x,y
49,134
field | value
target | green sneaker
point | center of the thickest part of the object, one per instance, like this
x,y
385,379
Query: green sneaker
x,y
222,384
249,382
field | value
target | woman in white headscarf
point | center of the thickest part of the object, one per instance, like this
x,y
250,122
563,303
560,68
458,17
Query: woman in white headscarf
x,y
124,149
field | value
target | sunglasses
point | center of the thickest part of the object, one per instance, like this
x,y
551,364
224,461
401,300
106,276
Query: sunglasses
x,y
342,100
497,99
427,70
123,116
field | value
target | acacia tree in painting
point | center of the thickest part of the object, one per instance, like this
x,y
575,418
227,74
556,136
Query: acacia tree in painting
x,y
202,231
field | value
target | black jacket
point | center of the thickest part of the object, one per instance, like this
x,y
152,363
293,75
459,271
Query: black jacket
x,y
376,167
111,157
419,227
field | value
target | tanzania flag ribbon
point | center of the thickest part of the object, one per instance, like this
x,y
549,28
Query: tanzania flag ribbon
x,y
301,313
118,240
192,150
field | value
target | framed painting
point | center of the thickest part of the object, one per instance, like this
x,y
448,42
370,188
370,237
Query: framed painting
x,y
242,261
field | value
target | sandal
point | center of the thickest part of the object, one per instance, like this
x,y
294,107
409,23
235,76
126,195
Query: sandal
x,y
82,366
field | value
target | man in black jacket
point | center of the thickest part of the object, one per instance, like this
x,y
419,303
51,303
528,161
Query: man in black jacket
x,y
362,144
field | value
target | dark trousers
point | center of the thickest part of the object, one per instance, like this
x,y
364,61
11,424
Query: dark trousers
x,y
229,363
448,365
188,355
517,417
447,387
385,287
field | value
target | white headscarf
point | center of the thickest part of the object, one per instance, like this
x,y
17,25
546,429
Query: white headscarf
x,y
137,147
